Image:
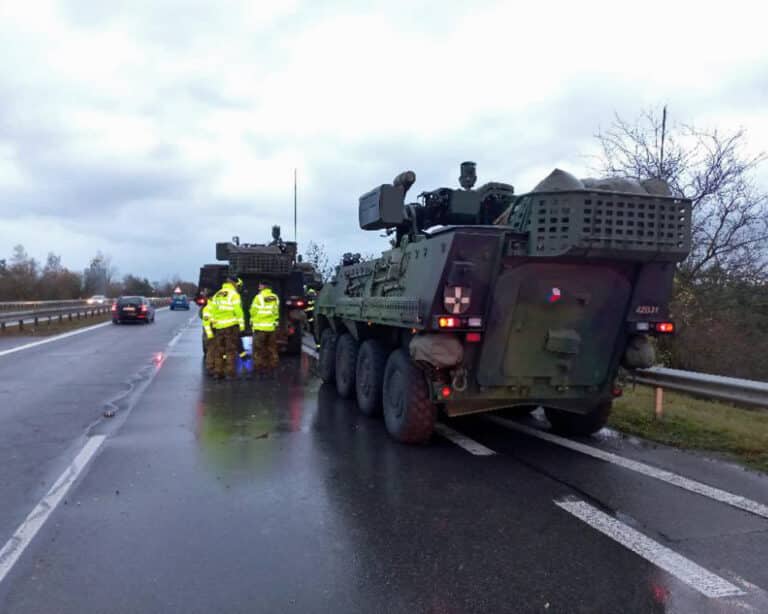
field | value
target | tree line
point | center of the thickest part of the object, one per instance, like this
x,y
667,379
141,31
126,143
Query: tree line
x,y
23,278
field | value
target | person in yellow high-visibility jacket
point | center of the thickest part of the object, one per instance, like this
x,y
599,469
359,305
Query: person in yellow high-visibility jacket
x,y
265,317
228,323
205,315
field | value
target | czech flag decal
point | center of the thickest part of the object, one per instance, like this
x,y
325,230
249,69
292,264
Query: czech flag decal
x,y
554,295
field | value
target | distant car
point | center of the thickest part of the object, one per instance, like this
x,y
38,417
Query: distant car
x,y
179,301
97,299
132,309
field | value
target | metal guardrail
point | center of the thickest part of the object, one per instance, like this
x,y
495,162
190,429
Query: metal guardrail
x,y
20,313
34,305
735,390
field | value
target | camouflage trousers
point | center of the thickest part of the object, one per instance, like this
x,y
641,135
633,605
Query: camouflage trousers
x,y
265,356
226,348
210,352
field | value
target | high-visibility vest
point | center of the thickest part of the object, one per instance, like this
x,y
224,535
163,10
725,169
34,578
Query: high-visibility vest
x,y
207,321
265,311
227,308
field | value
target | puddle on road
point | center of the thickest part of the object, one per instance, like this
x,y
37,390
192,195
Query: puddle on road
x,y
238,422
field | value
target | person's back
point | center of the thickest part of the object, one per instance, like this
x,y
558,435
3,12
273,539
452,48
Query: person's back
x,y
227,322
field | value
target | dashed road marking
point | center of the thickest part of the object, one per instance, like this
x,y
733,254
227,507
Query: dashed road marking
x,y
683,569
27,530
723,496
461,440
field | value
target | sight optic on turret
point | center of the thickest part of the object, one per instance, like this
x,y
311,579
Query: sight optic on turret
x,y
385,208
468,175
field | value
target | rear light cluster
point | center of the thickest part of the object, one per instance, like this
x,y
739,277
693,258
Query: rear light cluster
x,y
459,322
114,306
663,328
144,308
295,302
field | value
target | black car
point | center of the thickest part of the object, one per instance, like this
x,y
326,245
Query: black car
x,y
132,309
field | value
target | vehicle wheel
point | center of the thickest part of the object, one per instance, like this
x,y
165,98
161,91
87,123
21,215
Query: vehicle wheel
x,y
171,308
569,423
327,362
369,376
346,364
294,343
115,321
409,414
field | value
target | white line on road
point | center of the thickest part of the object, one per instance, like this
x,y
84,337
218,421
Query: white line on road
x,y
79,331
723,496
26,532
683,569
26,346
470,445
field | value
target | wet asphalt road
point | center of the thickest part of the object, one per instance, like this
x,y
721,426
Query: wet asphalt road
x,y
278,496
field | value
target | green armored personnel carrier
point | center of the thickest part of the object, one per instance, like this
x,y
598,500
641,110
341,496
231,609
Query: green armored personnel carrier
x,y
490,300
276,263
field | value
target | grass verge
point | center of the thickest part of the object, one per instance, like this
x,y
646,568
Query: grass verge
x,y
692,423
43,329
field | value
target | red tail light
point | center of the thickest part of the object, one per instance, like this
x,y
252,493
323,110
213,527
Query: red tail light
x,y
448,322
143,307
114,306
666,328
299,303
445,392
474,337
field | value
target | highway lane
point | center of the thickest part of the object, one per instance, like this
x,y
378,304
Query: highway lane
x,y
279,496
52,393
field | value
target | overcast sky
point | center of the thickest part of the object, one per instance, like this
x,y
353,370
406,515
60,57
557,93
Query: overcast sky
x,y
150,129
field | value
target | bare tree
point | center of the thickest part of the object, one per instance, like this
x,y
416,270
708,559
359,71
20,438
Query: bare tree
x,y
730,212
316,255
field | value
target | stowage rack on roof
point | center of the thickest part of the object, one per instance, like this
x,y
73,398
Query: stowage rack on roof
x,y
610,217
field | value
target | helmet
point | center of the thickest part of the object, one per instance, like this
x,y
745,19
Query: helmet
x,y
311,292
235,281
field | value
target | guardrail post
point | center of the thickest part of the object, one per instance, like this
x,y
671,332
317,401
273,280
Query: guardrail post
x,y
69,317
21,324
659,403
36,321
61,318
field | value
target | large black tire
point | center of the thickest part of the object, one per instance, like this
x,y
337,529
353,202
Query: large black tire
x,y
346,363
569,423
326,366
409,414
369,376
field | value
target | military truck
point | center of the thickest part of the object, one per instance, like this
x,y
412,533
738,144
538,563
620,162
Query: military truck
x,y
277,263
489,300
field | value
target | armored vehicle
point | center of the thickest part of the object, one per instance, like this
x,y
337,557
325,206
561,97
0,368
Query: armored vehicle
x,y
276,263
490,300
